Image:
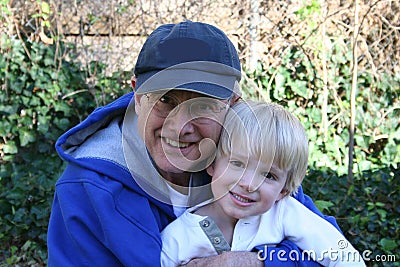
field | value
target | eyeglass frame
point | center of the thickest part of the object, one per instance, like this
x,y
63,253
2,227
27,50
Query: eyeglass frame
x,y
195,117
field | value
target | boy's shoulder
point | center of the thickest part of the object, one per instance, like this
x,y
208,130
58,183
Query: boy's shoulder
x,y
187,219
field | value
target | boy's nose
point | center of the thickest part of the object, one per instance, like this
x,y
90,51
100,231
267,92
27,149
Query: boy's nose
x,y
249,181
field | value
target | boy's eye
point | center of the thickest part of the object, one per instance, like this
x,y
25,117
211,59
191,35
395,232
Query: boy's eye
x,y
270,176
237,163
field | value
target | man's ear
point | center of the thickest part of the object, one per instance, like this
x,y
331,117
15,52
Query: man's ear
x,y
210,169
234,99
133,83
138,98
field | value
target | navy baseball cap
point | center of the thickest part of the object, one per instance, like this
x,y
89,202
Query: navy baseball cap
x,y
190,56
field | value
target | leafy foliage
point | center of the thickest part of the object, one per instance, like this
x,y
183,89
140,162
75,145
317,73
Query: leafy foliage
x,y
367,210
42,95
367,206
326,115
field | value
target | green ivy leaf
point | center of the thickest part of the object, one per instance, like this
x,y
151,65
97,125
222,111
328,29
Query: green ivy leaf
x,y
388,244
323,205
26,136
10,148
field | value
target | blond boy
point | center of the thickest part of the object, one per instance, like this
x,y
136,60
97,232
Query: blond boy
x,y
260,162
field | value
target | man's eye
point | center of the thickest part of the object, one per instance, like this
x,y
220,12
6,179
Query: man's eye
x,y
204,106
165,99
201,107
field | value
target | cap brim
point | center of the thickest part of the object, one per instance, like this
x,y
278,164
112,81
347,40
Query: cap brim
x,y
209,79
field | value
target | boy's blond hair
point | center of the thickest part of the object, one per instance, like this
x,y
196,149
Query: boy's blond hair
x,y
267,131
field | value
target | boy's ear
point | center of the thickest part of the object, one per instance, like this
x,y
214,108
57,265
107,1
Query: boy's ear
x,y
210,169
283,194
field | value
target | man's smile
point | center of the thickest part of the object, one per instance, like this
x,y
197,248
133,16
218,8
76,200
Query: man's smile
x,y
174,143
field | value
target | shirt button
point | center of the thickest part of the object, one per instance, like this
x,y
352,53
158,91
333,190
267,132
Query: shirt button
x,y
217,240
206,223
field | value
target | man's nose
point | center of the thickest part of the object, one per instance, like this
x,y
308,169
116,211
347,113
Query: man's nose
x,y
180,120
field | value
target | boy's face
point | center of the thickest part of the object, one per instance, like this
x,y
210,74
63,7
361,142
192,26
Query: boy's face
x,y
245,186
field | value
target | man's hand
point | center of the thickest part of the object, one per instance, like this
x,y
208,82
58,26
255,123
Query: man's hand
x,y
228,259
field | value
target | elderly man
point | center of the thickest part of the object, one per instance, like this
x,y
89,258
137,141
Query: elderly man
x,y
139,162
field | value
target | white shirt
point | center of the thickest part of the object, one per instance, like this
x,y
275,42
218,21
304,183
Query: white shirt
x,y
193,236
179,201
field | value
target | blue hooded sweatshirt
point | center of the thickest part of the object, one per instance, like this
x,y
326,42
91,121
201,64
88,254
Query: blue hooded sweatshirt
x,y
110,213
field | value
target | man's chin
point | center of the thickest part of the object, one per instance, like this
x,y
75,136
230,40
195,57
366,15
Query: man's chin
x,y
193,166
189,162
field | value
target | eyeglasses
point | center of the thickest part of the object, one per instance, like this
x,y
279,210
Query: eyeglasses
x,y
201,109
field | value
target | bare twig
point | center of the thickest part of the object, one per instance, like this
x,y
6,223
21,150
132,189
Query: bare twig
x,y
325,93
15,23
353,93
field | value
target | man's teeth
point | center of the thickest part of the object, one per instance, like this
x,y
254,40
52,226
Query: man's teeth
x,y
241,199
176,143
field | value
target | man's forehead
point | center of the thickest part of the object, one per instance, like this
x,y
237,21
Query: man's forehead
x,y
185,94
